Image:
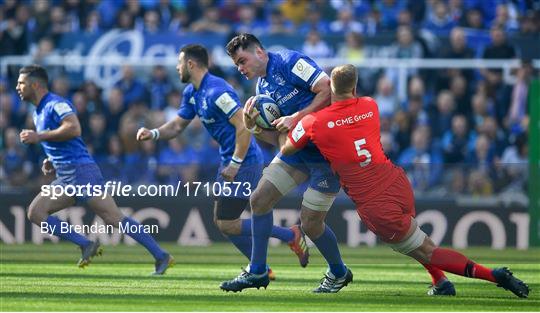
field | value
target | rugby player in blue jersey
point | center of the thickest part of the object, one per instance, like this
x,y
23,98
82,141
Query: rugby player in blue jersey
x,y
59,132
299,87
217,105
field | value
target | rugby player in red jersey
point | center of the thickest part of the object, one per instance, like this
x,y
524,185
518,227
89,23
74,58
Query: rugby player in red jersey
x,y
347,134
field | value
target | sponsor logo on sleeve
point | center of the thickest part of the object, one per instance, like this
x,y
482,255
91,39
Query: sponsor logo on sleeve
x,y
298,132
303,69
62,108
226,103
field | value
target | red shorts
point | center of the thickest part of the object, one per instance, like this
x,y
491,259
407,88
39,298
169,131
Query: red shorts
x,y
389,214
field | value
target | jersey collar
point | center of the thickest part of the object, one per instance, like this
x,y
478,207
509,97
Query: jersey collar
x,y
44,100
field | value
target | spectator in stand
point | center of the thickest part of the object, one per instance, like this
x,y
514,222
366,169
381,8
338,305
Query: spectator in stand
x,y
440,22
515,164
520,93
114,110
482,157
352,51
497,137
159,86
210,23
143,168
386,97
41,19
441,115
166,13
315,22
294,10
479,184
480,110
125,20
457,49
389,10
180,22
14,32
177,162
473,19
14,164
112,163
93,96
228,11
406,46
508,22
248,23
278,24
92,23
346,23
497,89
461,94
151,23
456,140
455,9
81,106
59,24
389,146
316,48
61,86
422,161
529,25
45,48
96,138
132,88
133,7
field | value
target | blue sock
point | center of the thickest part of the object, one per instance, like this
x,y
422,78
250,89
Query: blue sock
x,y
72,236
242,243
327,245
281,233
144,239
261,228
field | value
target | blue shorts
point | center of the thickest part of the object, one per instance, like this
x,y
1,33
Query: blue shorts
x,y
311,162
245,181
79,175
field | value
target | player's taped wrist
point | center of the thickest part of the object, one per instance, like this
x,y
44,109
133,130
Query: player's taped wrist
x,y
155,134
236,162
255,129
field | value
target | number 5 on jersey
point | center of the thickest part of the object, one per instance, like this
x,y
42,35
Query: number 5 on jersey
x,y
362,152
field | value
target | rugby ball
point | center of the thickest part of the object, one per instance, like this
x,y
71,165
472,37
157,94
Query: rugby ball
x,y
268,109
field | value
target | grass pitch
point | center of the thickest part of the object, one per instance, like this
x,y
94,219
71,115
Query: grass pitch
x,y
46,278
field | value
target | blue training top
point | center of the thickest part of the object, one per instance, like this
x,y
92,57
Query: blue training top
x,y
215,102
50,112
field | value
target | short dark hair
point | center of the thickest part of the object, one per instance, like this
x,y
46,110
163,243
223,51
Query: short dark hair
x,y
196,52
244,41
35,71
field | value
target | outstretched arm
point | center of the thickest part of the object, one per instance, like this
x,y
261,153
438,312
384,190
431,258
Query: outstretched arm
x,y
166,131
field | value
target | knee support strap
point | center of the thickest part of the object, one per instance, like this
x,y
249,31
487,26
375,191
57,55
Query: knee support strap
x,y
409,244
317,201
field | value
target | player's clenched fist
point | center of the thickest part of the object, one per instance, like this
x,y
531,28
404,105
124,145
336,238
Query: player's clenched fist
x,y
29,136
47,168
144,134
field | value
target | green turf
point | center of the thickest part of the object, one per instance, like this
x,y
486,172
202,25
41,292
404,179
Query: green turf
x,y
45,278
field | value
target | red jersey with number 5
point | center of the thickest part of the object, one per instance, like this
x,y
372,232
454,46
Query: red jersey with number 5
x,y
348,135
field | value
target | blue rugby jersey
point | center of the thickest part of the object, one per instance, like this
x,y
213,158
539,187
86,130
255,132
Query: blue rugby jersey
x,y
289,78
50,112
215,102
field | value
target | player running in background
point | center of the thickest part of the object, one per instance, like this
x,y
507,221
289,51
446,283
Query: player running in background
x,y
299,87
348,135
216,103
59,132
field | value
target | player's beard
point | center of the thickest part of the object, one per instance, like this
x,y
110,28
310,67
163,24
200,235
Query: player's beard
x,y
184,74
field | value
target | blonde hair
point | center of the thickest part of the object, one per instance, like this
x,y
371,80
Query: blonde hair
x,y
343,79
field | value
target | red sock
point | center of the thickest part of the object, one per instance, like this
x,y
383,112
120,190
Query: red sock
x,y
436,274
454,262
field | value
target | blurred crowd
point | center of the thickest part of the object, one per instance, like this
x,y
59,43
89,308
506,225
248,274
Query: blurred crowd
x,y
458,131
